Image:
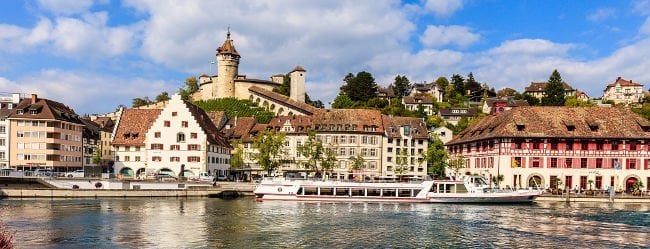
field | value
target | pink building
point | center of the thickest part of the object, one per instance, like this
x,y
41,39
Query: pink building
x,y
583,147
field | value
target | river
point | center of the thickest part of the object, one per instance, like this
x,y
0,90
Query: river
x,y
244,223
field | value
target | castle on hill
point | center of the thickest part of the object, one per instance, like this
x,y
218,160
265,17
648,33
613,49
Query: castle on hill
x,y
229,83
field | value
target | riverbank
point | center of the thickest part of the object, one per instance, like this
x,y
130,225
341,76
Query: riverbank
x,y
617,199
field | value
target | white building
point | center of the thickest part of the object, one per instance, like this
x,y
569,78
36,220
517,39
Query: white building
x,y
180,138
623,91
416,103
7,103
443,133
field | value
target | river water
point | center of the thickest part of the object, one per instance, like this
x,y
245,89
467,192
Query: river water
x,y
244,223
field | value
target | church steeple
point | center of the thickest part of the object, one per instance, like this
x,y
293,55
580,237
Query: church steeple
x,y
227,47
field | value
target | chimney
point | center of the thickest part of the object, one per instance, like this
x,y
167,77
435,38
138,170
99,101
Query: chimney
x,y
34,97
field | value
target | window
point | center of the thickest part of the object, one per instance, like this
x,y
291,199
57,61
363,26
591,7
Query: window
x,y
156,134
390,149
364,139
583,163
599,145
632,145
174,114
353,139
569,163
174,159
554,145
536,144
194,135
584,145
389,159
569,145
390,140
3,129
342,139
632,163
352,152
342,152
554,162
156,146
518,144
599,163
184,124
599,182
156,158
180,137
2,142
174,147
364,152
614,145
167,123
137,158
373,152
127,158
193,159
193,147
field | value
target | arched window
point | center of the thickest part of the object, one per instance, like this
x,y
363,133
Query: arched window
x,y
180,137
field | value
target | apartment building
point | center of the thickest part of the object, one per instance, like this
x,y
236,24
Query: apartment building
x,y
7,103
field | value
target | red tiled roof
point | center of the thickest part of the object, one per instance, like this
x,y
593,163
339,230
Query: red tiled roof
x,y
133,126
299,68
355,119
300,123
392,126
417,100
213,134
240,128
552,122
541,86
227,47
46,109
623,82
303,107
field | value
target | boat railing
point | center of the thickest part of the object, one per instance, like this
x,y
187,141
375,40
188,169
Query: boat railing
x,y
319,179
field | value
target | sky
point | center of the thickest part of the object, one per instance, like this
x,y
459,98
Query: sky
x,y
96,55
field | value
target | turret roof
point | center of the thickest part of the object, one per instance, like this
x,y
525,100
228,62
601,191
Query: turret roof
x,y
227,47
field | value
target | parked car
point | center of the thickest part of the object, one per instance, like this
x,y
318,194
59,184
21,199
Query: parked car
x,y
43,172
203,177
221,178
77,173
165,177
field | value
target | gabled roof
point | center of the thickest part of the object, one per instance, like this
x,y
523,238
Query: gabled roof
x,y
300,123
541,86
623,82
508,101
218,118
387,92
239,128
46,109
355,119
553,122
105,123
212,132
411,100
133,126
227,47
392,126
285,100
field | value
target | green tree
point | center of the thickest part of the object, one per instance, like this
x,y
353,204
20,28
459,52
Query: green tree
x,y
456,164
401,86
191,86
361,87
97,157
401,162
328,162
554,92
437,158
574,101
270,149
343,102
442,83
471,84
237,155
532,101
497,179
459,84
312,150
137,102
285,88
163,96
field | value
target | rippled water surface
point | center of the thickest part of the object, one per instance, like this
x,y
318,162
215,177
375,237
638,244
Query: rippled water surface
x,y
244,223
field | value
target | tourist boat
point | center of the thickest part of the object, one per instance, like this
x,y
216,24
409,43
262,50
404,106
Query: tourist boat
x,y
468,189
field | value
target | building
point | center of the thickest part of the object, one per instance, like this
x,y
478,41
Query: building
x,y
229,83
443,133
404,147
106,126
538,89
428,88
499,105
623,91
417,103
533,146
385,93
45,134
178,139
7,103
453,115
582,96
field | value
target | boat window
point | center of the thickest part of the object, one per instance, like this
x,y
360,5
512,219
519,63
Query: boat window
x,y
311,191
434,188
374,192
389,193
445,188
358,192
342,191
300,191
460,188
404,193
416,192
326,191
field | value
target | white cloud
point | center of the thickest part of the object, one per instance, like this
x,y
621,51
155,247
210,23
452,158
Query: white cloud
x,y
443,8
641,7
645,27
439,36
531,47
88,92
601,14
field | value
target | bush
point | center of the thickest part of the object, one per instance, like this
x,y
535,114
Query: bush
x,y
6,237
237,107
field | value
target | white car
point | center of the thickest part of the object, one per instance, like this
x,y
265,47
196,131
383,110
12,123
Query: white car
x,y
76,174
203,177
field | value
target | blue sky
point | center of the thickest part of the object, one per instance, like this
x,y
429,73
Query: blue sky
x,y
95,55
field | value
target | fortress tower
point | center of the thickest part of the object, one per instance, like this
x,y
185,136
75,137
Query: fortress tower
x,y
297,76
227,69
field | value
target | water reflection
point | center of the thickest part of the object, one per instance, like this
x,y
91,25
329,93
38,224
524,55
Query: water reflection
x,y
244,223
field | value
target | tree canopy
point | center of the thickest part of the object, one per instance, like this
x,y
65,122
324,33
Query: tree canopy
x,y
163,96
459,84
554,92
401,86
270,149
191,86
437,158
137,102
361,87
471,84
312,150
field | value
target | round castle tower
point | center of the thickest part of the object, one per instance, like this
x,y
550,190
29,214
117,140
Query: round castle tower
x,y
227,69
